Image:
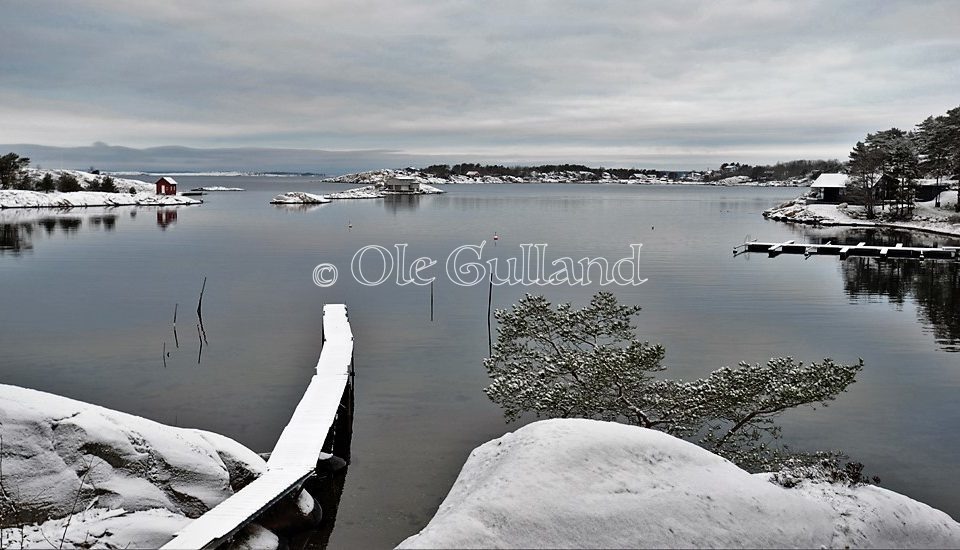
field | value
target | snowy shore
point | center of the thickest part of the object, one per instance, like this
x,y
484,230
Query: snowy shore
x,y
297,197
143,195
36,199
377,177
576,483
926,217
375,191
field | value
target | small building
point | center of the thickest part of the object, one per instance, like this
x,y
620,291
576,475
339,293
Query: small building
x,y
401,184
830,187
166,186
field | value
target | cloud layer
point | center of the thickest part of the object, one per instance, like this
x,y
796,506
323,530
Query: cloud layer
x,y
616,81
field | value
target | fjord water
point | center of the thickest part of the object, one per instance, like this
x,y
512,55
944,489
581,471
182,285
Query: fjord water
x,y
88,298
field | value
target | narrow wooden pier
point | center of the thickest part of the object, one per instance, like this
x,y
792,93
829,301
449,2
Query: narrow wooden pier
x,y
301,444
844,251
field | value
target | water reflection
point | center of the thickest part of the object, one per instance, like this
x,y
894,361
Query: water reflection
x,y
15,239
397,203
933,286
300,208
19,226
166,217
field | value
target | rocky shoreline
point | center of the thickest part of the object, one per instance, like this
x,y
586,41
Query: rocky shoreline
x,y
926,217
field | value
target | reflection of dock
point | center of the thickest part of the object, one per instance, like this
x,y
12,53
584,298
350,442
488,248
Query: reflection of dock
x,y
846,250
317,426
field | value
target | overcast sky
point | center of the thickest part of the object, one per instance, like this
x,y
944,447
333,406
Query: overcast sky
x,y
621,82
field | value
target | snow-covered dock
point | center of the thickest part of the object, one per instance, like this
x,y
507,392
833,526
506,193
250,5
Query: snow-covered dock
x,y
301,444
846,250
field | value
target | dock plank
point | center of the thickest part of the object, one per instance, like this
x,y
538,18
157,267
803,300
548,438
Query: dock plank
x,y
294,458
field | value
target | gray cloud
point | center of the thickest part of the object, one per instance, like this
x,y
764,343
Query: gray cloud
x,y
618,81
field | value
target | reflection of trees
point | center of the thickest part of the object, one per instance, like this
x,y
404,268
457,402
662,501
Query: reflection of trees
x,y
15,238
934,286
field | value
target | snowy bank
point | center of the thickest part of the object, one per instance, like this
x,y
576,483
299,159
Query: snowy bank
x,y
118,480
926,217
36,199
298,197
577,483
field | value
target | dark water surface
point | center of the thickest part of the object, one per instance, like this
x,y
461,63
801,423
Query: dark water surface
x,y
88,298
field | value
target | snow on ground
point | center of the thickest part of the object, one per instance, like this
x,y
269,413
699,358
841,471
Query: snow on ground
x,y
34,199
217,188
125,480
298,197
366,192
926,217
589,484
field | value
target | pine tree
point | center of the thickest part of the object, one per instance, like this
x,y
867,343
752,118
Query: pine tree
x,y
67,183
46,183
562,362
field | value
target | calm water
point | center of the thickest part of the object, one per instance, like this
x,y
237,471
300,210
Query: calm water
x,y
88,298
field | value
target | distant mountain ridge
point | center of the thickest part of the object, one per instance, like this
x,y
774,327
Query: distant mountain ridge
x,y
175,158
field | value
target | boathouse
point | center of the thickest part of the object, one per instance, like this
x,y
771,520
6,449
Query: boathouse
x,y
830,187
401,184
166,186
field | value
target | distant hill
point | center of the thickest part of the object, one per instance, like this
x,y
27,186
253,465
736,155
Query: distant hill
x,y
185,159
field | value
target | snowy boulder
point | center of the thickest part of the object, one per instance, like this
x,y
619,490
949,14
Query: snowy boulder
x,y
298,197
115,473
582,483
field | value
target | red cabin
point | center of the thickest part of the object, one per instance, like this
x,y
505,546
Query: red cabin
x,y
166,186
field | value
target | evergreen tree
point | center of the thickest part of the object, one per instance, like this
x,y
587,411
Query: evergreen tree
x,y
46,183
933,147
865,168
67,183
107,185
12,166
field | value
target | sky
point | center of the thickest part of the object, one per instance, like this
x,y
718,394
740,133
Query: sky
x,y
630,83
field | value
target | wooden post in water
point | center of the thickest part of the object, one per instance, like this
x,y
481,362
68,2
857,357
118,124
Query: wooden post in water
x,y
489,306
431,301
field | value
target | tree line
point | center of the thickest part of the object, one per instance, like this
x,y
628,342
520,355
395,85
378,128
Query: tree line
x,y
886,164
14,175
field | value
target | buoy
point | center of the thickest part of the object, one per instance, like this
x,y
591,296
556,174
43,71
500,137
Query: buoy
x,y
495,236
349,224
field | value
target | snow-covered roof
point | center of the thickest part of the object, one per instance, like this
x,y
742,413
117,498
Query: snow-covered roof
x,y
167,179
830,180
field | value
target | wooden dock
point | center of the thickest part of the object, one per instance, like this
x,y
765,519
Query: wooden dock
x,y
844,251
295,456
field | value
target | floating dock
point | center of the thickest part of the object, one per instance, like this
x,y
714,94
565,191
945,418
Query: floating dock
x,y
844,251
311,430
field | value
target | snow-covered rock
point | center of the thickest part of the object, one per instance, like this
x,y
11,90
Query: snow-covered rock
x,y
299,197
118,479
365,192
34,199
577,483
